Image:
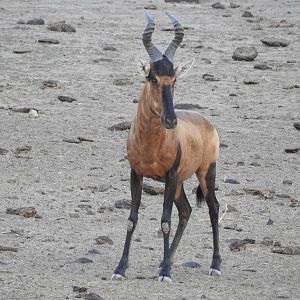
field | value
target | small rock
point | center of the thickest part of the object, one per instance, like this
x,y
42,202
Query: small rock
x,y
83,139
36,21
79,289
74,215
21,51
8,249
287,250
191,264
228,15
262,67
263,193
102,209
267,241
234,5
237,245
277,244
33,114
102,240
71,141
284,196
3,151
287,182
151,7
49,84
123,204
110,48
231,180
148,189
245,53
247,14
222,145
26,212
48,41
61,27
210,77
297,125
239,229
291,150
291,86
231,208
84,260
21,21
270,222
255,164
294,203
92,296
120,126
122,81
230,226
280,24
66,99
189,106
273,42
218,5
250,81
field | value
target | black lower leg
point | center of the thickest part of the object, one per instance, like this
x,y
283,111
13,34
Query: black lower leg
x,y
213,206
136,183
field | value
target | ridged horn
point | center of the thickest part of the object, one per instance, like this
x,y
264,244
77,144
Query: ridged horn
x,y
153,52
170,52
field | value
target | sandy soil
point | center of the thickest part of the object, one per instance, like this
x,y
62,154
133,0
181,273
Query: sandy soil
x,y
73,187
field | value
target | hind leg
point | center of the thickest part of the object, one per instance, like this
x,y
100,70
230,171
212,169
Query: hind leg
x,y
184,212
206,177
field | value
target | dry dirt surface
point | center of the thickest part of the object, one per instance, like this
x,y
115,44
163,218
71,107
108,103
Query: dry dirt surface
x,y
62,163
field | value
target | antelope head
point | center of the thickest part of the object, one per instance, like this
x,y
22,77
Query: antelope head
x,y
160,73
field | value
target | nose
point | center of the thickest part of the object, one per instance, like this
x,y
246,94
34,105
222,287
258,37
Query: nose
x,y
169,122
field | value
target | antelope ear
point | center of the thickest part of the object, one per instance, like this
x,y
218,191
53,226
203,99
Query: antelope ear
x,y
144,68
183,69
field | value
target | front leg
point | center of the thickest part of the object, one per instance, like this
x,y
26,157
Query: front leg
x,y
136,184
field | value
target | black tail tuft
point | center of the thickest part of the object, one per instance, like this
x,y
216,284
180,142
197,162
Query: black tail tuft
x,y
199,196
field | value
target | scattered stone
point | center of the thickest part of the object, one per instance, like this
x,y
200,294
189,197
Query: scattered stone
x,y
84,260
21,21
218,5
270,222
25,110
110,48
123,204
210,77
277,244
93,251
239,229
33,114
250,81
102,240
294,203
273,42
297,125
120,126
48,41
102,209
189,106
151,7
104,59
267,241
287,250
49,84
74,215
83,139
154,191
237,245
95,188
245,53
284,196
122,81
292,150
287,182
92,296
264,194
191,264
247,14
71,140
3,151
206,60
79,289
255,164
21,51
8,249
291,86
234,5
222,145
231,208
84,206
228,15
281,24
61,27
231,180
66,99
36,21
262,67
26,212
230,226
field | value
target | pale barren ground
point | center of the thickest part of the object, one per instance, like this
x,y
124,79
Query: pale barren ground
x,y
55,176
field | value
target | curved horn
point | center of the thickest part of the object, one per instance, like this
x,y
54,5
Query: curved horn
x,y
170,52
153,52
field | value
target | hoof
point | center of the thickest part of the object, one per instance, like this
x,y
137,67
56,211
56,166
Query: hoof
x,y
164,279
214,272
117,277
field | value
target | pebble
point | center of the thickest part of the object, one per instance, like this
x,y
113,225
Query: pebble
x,y
154,191
247,14
120,126
33,114
291,87
104,239
66,99
287,182
21,51
35,21
262,67
110,48
79,289
273,42
231,208
123,204
84,260
83,139
8,249
234,5
270,222
191,264
122,81
48,41
218,5
92,296
237,245
71,141
245,53
281,24
297,125
284,196
294,203
61,27
267,241
189,106
250,81
291,150
210,77
287,250
263,193
151,7
231,181
49,84
26,212
3,151
230,226
277,244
